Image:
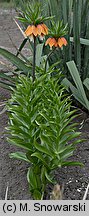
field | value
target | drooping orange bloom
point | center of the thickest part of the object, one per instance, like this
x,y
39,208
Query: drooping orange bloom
x,y
62,41
39,30
59,42
51,42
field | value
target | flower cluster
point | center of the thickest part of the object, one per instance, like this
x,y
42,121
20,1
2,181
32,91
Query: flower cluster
x,y
56,42
57,32
40,30
37,28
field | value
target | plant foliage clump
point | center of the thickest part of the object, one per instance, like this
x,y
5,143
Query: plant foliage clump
x,y
39,122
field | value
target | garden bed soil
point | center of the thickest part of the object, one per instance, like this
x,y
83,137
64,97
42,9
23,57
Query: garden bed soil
x,y
13,172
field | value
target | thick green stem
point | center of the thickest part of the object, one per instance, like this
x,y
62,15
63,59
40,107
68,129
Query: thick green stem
x,y
34,59
48,57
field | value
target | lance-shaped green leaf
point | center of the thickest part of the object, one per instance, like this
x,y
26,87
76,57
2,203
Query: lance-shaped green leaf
x,y
72,163
40,157
43,149
37,195
49,177
19,155
31,177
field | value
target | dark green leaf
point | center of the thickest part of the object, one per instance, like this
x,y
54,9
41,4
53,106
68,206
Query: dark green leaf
x,y
15,60
19,155
72,163
40,157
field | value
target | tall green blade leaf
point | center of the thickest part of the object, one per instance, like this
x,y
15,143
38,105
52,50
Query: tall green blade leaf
x,y
86,83
15,60
82,41
39,49
54,8
7,77
22,45
74,91
76,31
75,75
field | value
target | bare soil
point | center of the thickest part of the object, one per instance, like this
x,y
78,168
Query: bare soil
x,y
13,172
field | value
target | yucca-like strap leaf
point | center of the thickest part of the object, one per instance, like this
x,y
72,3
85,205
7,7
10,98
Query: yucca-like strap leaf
x,y
22,45
82,41
15,60
78,91
86,83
